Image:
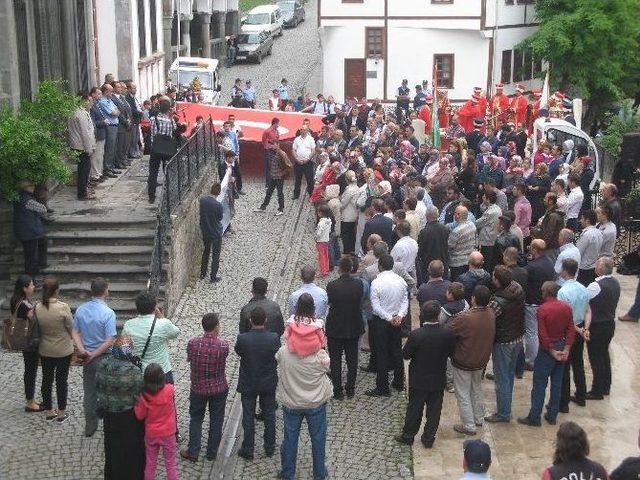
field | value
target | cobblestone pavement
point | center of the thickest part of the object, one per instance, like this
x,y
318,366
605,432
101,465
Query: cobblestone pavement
x,y
296,56
360,443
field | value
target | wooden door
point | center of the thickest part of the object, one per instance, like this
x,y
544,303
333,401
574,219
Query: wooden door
x,y
355,78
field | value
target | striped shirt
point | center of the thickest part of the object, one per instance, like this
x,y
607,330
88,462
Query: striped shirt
x,y
162,124
208,356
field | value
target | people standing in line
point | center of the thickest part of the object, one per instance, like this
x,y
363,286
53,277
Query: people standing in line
x,y
604,294
303,149
576,295
274,322
539,270
303,391
211,213
460,242
476,460
589,244
432,243
349,212
308,276
556,335
119,382
570,457
156,406
269,137
390,303
207,357
151,333
21,307
258,379
94,330
277,175
428,348
29,216
475,331
110,114
507,303
475,275
163,127
82,140
344,326
55,347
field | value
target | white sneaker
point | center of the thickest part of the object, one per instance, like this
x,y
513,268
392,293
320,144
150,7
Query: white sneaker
x,y
279,212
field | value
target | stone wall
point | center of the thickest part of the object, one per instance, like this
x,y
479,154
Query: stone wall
x,y
185,241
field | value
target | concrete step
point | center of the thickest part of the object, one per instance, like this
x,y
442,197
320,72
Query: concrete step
x,y
130,254
96,221
78,273
101,237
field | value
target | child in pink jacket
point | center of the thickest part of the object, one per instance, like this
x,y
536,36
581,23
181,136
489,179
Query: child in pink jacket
x,y
157,407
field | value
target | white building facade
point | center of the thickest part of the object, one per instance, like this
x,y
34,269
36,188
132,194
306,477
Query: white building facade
x,y
369,46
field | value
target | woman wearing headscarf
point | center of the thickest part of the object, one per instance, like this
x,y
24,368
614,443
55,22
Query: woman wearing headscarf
x,y
119,383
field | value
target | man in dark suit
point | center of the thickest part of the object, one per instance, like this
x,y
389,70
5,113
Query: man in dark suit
x,y
379,224
124,125
344,326
427,348
211,228
258,378
275,322
136,117
432,244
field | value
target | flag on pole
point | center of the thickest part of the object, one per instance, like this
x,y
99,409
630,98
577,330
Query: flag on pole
x,y
435,119
544,98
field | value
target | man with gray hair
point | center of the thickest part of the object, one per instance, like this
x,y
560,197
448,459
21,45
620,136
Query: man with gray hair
x,y
567,248
320,299
432,244
461,242
604,294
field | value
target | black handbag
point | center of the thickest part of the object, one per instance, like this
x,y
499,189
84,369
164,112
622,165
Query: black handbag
x,y
165,145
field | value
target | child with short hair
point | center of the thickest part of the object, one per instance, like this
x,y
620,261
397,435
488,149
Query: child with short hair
x,y
157,407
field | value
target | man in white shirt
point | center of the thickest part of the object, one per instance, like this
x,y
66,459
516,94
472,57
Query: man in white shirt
x,y
421,207
574,201
567,249
590,244
390,303
405,250
303,150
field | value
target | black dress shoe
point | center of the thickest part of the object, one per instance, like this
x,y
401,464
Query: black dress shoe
x,y
245,455
216,279
527,421
109,174
269,452
564,409
403,440
377,393
350,393
594,396
549,420
368,369
427,442
398,388
578,401
338,396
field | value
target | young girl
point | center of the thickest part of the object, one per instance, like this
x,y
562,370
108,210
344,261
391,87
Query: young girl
x,y
156,406
323,233
304,333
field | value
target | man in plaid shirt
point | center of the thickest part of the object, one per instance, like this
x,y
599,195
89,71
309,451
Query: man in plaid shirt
x,y
207,356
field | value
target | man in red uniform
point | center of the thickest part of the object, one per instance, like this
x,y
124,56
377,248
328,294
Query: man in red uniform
x,y
468,112
498,107
535,108
424,114
482,102
518,106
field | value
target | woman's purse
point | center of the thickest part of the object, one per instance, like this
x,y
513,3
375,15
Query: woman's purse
x,y
165,145
19,334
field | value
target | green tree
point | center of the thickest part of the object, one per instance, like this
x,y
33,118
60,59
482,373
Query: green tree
x,y
32,140
592,47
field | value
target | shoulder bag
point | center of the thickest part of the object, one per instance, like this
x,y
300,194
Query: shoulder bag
x,y
19,334
146,345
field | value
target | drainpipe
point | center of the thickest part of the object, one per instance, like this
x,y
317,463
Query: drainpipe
x,y
496,19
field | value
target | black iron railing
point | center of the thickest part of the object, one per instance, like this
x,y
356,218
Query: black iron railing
x,y
181,173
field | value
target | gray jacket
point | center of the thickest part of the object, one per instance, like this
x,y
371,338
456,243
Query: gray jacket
x,y
486,226
81,132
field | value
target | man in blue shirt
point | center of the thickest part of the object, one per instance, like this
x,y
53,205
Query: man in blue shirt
x,y
283,90
211,212
320,299
94,329
110,113
249,93
576,295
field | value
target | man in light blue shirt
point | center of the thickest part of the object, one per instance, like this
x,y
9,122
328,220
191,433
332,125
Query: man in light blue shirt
x,y
283,90
94,329
320,299
567,249
577,296
249,93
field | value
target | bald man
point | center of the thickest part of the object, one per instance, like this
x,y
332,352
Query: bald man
x,y
476,275
461,242
539,270
567,248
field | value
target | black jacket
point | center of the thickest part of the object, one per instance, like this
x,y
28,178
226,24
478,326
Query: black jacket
x,y
275,321
472,278
505,240
508,303
538,271
27,223
136,113
433,290
258,367
432,244
381,225
210,217
344,319
428,348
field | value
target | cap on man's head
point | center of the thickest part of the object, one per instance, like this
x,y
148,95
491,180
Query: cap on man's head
x,y
478,122
477,455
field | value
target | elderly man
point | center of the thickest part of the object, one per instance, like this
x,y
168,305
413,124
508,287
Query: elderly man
x,y
487,229
379,224
461,242
567,248
436,288
610,199
475,275
320,299
82,139
604,294
432,241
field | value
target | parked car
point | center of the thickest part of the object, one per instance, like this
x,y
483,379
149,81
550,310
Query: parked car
x,y
254,46
263,18
292,12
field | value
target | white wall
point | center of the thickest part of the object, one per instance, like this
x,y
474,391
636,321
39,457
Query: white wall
x,y
426,8
508,14
507,39
106,39
339,43
366,8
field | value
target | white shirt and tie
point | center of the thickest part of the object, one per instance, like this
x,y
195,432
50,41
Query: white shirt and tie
x,y
389,296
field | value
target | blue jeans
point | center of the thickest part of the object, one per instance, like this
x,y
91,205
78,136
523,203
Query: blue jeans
x,y
197,406
546,367
317,424
504,357
268,406
634,311
231,55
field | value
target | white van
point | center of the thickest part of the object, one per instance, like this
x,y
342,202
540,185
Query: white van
x,y
265,18
185,70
